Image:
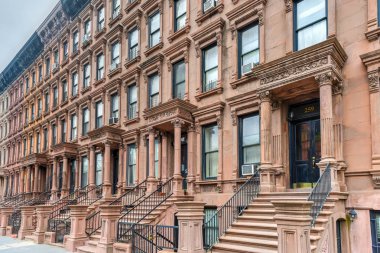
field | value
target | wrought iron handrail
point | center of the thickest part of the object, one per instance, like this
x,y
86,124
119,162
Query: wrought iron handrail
x,y
141,210
217,224
15,200
320,193
128,199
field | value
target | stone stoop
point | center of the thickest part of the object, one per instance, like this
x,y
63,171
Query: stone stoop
x,y
91,244
255,231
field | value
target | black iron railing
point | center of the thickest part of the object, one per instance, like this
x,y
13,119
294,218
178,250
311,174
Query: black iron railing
x,y
59,219
320,193
217,224
154,238
15,218
15,200
127,200
141,210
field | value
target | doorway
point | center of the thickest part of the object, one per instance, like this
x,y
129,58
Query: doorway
x,y
305,144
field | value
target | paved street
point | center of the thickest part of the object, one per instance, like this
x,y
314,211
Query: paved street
x,y
10,245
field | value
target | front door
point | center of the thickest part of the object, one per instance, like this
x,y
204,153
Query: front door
x,y
305,150
72,175
115,171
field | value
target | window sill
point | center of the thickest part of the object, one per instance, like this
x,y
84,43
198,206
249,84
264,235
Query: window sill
x,y
113,21
84,137
55,70
217,90
74,97
97,82
85,90
151,50
86,43
46,113
63,103
373,35
74,140
114,72
130,6
130,121
74,54
54,109
64,62
129,63
177,34
99,33
47,77
201,17
242,80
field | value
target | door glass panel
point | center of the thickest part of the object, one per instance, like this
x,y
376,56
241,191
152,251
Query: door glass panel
x,y
302,141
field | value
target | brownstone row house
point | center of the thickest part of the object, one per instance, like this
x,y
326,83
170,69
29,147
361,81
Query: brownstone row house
x,y
193,125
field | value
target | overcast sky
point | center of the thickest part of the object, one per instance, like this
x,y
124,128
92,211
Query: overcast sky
x,y
19,19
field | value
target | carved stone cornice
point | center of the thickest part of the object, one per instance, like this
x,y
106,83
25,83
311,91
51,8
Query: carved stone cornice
x,y
327,56
133,19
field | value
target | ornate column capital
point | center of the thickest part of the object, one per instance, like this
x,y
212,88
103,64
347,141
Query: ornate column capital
x,y
373,81
327,78
265,96
177,123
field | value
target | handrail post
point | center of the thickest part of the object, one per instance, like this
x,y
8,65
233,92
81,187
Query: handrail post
x,y
6,212
77,235
190,222
26,227
43,212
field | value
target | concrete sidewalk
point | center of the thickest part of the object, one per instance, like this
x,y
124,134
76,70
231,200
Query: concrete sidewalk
x,y
10,245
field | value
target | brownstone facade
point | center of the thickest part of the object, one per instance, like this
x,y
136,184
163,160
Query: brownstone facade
x,y
122,94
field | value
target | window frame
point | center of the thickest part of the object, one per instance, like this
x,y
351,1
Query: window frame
x,y
86,78
82,169
295,30
133,48
63,130
131,168
204,153
65,91
114,111
100,23
150,32
375,241
74,84
100,70
175,83
98,171
176,29
74,128
150,90
85,125
99,118
115,58
204,71
55,96
132,104
240,43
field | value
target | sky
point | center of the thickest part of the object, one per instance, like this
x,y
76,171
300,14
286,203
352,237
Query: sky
x,y
19,19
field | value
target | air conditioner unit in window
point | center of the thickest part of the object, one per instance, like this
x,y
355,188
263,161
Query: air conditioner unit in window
x,y
86,38
247,68
248,169
114,66
208,5
115,14
113,120
55,66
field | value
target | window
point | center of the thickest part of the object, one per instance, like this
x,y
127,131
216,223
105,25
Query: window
x,y
115,55
98,169
154,29
338,226
100,67
115,8
38,142
86,75
132,101
100,18
26,117
84,175
211,228
65,50
75,41
131,170
39,110
154,89
375,230
210,68
33,79
56,59
27,84
31,144
45,139
32,112
47,66
210,151
55,96
63,131
133,42
24,147
40,73
73,127
64,91
87,28
310,23
249,139
54,134
115,106
86,121
99,114
156,156
179,73
208,4
180,14
248,48
74,84
47,98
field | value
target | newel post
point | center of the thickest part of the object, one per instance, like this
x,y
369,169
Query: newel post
x,y
43,213
190,222
77,235
109,216
6,212
293,226
26,227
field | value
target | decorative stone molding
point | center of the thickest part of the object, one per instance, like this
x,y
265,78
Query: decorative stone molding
x,y
373,81
288,5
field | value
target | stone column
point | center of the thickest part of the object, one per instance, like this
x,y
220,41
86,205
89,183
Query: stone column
x,y
26,227
151,181
325,82
77,235
35,181
190,221
91,172
77,174
293,226
54,189
28,175
267,174
109,215
190,160
6,212
177,177
64,190
107,171
164,156
278,166
43,213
